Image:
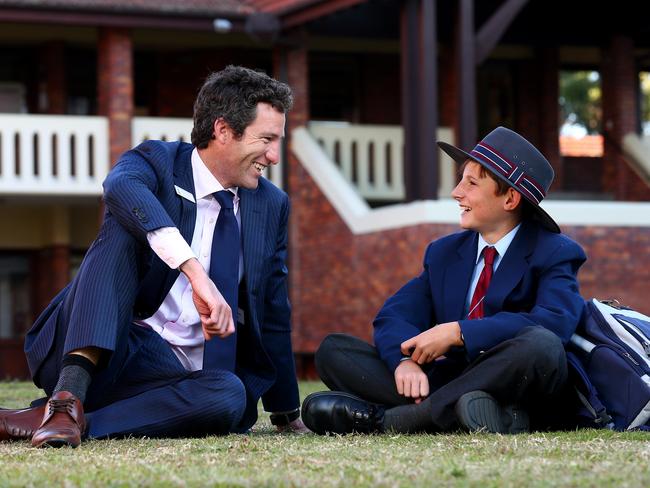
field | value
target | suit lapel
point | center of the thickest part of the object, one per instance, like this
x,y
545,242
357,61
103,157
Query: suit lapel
x,y
253,225
185,217
187,210
457,277
512,267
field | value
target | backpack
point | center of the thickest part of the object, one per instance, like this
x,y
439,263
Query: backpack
x,y
609,366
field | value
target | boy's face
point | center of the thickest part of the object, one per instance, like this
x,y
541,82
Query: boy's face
x,y
482,209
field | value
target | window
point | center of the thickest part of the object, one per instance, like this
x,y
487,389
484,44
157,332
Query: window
x,y
580,114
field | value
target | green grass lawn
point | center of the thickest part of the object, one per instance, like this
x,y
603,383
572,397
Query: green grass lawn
x,y
584,458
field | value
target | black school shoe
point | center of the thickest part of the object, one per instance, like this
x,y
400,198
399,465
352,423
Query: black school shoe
x,y
478,411
335,412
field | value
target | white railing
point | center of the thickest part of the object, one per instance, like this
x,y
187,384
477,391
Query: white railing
x,y
53,154
171,129
371,157
68,155
160,128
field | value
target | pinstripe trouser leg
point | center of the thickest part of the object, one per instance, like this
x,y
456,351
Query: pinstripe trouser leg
x,y
153,395
202,403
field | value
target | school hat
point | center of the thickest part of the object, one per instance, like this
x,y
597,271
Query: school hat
x,y
517,162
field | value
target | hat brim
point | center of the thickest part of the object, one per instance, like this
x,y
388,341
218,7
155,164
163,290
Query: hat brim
x,y
538,213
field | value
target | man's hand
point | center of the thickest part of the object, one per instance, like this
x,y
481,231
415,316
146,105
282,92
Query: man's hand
x,y
411,381
433,343
214,311
295,426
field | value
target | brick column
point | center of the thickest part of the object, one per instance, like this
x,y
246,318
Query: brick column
x,y
51,265
115,86
51,272
549,142
619,83
449,96
527,106
53,62
292,66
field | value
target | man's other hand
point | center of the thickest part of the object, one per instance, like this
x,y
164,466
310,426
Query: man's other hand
x,y
214,311
433,343
411,381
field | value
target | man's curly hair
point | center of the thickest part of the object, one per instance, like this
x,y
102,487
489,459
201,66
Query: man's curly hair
x,y
233,94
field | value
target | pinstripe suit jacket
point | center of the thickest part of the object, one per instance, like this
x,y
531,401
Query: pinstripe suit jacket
x,y
140,195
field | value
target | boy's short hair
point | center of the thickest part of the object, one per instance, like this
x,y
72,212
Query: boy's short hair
x,y
502,186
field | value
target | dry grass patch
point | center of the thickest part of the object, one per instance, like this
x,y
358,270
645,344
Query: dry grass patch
x,y
263,458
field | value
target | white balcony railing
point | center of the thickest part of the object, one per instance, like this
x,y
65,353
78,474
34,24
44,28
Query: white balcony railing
x,y
52,155
68,155
372,157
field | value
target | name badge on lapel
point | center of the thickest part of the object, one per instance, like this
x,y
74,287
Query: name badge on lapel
x,y
184,194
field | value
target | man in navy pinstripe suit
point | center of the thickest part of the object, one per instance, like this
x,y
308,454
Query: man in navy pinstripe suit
x,y
120,351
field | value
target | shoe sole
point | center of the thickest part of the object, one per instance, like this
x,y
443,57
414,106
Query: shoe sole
x,y
478,411
56,443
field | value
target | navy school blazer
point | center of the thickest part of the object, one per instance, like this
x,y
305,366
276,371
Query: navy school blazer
x,y
140,195
534,285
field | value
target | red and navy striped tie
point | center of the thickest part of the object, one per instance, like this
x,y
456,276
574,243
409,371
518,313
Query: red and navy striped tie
x,y
476,305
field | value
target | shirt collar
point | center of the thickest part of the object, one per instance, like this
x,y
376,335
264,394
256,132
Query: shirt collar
x,y
204,181
501,245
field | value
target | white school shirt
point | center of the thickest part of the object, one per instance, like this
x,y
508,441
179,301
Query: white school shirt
x,y
501,246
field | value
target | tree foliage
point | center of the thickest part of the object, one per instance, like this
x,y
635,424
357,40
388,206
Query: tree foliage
x,y
580,99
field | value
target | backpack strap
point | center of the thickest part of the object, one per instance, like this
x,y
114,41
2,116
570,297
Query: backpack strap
x,y
592,412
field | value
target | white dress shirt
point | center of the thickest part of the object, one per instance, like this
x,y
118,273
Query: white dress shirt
x,y
501,246
177,320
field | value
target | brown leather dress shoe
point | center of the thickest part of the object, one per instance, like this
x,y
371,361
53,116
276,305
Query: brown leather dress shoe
x,y
63,422
20,424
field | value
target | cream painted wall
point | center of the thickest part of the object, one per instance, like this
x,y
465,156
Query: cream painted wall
x,y
35,227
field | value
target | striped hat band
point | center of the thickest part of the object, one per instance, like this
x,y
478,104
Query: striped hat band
x,y
523,182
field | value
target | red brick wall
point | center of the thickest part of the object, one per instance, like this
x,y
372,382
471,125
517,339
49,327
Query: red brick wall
x,y
339,280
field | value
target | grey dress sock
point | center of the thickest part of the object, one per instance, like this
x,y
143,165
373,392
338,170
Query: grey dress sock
x,y
411,418
75,376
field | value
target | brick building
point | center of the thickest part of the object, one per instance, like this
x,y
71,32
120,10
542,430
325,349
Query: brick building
x,y
376,81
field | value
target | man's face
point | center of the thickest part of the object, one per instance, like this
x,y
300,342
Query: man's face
x,y
246,158
482,210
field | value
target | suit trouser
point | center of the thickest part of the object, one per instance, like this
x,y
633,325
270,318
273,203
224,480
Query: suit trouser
x,y
140,387
529,369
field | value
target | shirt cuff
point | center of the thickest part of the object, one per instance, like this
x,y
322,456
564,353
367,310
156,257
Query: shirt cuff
x,y
169,245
